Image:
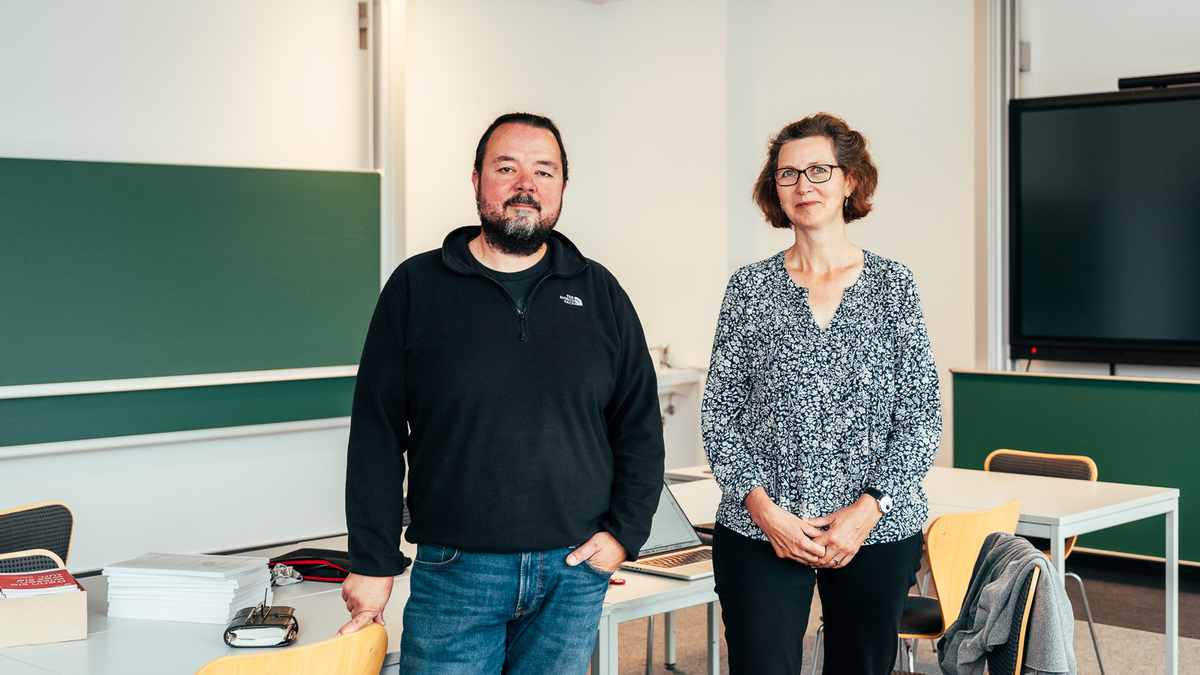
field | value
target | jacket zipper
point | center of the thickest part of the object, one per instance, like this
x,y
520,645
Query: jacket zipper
x,y
528,302
523,330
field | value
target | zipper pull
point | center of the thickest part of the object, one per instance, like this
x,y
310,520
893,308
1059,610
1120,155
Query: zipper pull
x,y
523,327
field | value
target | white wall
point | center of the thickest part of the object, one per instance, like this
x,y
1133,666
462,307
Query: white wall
x,y
637,89
1085,46
903,74
665,107
189,497
269,83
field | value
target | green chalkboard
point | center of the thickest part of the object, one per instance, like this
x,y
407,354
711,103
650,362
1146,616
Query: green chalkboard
x,y
128,413
114,271
1138,432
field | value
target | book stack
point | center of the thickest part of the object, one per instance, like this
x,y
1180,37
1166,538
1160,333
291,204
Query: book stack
x,y
25,584
193,588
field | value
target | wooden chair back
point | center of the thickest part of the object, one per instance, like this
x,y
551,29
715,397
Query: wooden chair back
x,y
1024,629
358,653
1077,467
32,560
1009,658
953,542
47,525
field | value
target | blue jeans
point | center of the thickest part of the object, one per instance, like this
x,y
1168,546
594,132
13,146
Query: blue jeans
x,y
515,613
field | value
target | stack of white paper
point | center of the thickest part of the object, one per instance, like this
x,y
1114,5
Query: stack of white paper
x,y
195,588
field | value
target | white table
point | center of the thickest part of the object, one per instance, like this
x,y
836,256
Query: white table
x,y
144,647
1053,508
139,646
687,473
1060,508
645,595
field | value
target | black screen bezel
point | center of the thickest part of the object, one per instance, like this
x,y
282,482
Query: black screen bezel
x,y
1081,347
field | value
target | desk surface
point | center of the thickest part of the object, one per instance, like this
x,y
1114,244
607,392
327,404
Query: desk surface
x,y
1055,508
1069,504
139,646
136,646
1044,500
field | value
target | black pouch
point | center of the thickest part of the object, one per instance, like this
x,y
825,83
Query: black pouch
x,y
321,564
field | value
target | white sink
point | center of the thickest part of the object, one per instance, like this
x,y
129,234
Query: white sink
x,y
678,380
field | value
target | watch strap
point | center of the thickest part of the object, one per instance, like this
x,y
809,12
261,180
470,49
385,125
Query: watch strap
x,y
879,499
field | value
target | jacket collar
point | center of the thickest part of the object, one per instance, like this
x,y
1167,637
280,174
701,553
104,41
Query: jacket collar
x,y
565,258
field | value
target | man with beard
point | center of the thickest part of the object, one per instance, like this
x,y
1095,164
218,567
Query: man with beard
x,y
514,374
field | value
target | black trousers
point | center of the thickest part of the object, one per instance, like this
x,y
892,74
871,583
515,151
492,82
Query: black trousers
x,y
766,600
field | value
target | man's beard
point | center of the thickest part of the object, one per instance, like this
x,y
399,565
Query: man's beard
x,y
518,235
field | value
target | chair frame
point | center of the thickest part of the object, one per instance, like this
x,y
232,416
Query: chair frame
x,y
51,556
1022,631
357,653
63,555
1024,634
953,542
1069,545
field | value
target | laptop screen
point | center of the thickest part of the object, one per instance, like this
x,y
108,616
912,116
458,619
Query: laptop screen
x,y
670,529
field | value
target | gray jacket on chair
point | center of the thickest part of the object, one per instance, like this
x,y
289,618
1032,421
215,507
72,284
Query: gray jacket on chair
x,y
986,619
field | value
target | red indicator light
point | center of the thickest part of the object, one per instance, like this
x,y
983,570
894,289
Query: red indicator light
x,y
1033,350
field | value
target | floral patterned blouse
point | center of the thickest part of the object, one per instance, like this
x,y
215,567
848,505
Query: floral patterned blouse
x,y
814,416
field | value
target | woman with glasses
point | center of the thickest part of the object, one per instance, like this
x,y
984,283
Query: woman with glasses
x,y
821,417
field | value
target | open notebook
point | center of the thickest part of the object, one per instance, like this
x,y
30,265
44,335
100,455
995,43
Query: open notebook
x,y
673,549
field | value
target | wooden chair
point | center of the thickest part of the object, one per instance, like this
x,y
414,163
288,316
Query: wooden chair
x,y
953,542
358,653
1077,467
32,560
45,525
1010,659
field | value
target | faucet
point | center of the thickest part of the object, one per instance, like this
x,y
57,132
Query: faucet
x,y
663,362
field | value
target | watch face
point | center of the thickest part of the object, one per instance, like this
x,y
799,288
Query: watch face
x,y
885,504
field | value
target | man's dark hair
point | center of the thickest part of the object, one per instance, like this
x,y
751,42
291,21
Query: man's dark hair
x,y
528,119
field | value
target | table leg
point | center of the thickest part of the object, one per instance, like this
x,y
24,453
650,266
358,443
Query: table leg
x,y
669,640
714,638
1173,589
604,656
650,645
1057,554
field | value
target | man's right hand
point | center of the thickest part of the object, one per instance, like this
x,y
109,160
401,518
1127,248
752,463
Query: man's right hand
x,y
365,599
790,536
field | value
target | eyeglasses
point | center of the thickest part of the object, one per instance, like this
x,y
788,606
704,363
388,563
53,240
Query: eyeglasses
x,y
817,173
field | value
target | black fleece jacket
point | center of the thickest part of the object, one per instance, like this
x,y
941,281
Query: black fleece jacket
x,y
524,431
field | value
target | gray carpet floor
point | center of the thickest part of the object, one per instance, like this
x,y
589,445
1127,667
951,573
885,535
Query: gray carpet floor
x,y
1128,609
1126,651
1133,599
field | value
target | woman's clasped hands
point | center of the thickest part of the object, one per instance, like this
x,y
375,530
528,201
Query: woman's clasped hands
x,y
829,541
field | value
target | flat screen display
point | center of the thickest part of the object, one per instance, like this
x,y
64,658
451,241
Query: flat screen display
x,y
1105,236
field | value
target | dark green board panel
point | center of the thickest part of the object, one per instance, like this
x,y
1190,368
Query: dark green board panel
x,y
1138,432
112,271
67,418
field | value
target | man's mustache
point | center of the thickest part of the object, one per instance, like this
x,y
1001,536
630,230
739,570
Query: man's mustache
x,y
524,200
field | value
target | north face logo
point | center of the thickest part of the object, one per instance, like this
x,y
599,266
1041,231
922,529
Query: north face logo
x,y
571,300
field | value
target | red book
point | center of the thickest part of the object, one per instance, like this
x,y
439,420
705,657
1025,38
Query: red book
x,y
37,583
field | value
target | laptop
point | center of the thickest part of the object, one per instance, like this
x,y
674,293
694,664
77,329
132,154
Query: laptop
x,y
674,548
